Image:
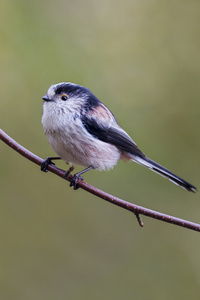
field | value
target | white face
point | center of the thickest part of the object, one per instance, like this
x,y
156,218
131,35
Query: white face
x,y
64,96
65,90
51,91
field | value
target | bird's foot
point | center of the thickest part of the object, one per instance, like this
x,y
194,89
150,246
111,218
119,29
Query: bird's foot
x,y
47,161
74,181
77,176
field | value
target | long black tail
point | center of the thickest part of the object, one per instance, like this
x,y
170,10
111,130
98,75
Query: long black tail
x,y
152,165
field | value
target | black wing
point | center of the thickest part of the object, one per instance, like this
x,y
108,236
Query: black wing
x,y
97,124
97,121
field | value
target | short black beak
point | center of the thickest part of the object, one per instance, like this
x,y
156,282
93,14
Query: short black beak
x,y
46,98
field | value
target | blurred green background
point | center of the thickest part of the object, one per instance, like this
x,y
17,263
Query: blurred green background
x,y
142,59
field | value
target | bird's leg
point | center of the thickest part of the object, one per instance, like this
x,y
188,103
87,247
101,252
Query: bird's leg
x,y
76,177
48,161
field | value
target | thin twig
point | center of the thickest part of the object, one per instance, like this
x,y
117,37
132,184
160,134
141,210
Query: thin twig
x,y
136,209
139,219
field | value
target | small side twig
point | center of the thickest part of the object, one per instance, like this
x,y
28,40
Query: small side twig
x,y
136,209
138,217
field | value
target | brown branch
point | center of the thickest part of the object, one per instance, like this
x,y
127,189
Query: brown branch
x,y
137,210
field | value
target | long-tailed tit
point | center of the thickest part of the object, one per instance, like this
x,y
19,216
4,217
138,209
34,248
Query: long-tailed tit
x,y
84,132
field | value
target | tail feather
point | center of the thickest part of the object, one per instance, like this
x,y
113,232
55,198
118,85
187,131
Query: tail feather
x,y
152,165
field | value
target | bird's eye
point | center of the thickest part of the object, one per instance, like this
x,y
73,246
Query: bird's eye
x,y
64,97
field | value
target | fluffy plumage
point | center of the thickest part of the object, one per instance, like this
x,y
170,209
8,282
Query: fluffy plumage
x,y
83,131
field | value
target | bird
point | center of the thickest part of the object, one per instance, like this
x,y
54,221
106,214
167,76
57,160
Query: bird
x,y
83,131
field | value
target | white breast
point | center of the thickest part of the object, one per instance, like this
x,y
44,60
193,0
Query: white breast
x,y
71,141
